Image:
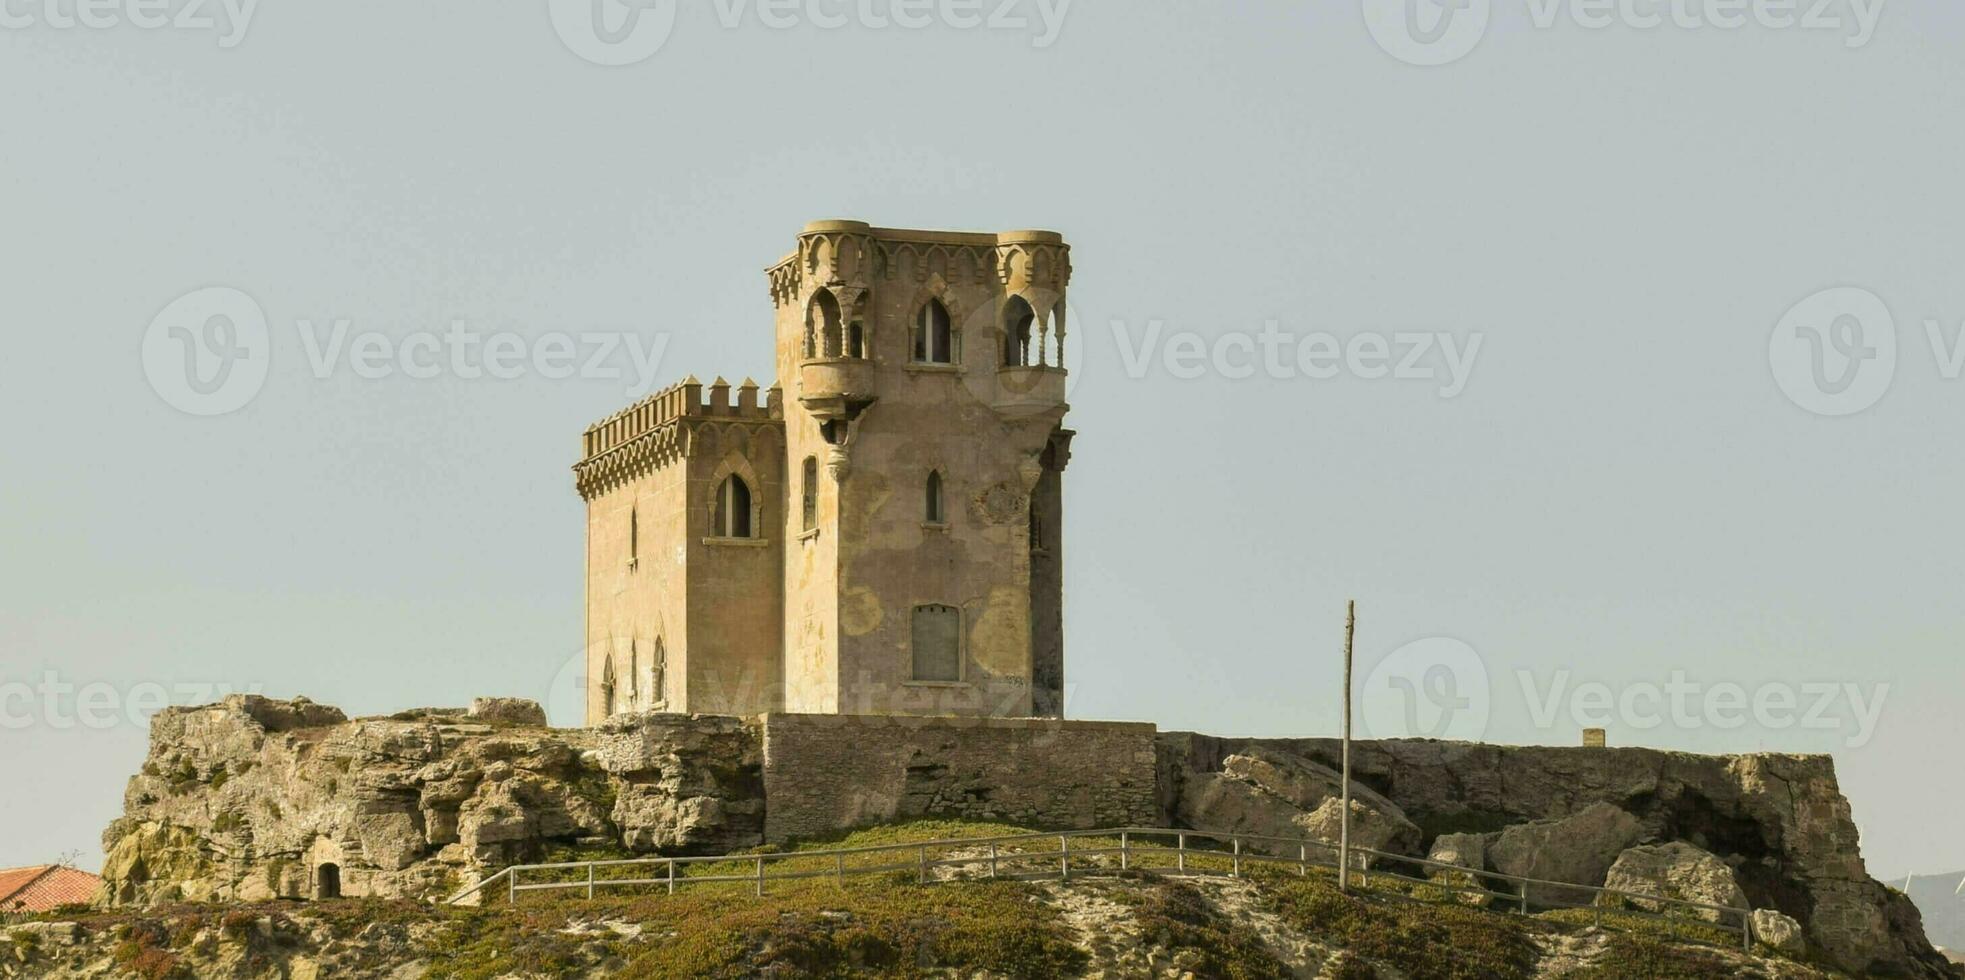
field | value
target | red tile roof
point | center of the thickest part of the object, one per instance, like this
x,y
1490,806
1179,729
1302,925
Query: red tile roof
x,y
43,887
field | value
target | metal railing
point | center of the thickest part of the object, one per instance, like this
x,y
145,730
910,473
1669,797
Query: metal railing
x,y
1187,860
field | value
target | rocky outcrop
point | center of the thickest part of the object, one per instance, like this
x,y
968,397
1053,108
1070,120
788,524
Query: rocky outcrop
x,y
1274,794
508,711
254,798
1778,932
1780,821
1577,849
1677,870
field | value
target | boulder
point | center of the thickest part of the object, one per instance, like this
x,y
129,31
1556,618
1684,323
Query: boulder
x,y
1677,870
1463,850
1578,849
1778,932
1269,793
508,711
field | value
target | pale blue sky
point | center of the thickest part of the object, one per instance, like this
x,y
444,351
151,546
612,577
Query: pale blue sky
x,y
1622,490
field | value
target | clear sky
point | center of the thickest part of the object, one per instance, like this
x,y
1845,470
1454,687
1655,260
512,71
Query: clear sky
x,y
1613,221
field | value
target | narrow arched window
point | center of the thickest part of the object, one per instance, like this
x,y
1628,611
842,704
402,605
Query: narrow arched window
x,y
607,687
658,673
856,339
634,676
1017,322
732,515
809,481
634,536
934,341
935,514
822,318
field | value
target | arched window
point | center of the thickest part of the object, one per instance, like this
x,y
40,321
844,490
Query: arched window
x,y
1017,322
634,675
607,686
934,341
809,490
658,674
937,639
822,320
935,514
856,339
732,515
634,537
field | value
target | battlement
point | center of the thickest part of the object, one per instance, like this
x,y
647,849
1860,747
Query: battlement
x,y
856,252
649,431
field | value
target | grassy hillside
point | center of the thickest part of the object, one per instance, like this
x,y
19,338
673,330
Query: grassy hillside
x,y
1273,922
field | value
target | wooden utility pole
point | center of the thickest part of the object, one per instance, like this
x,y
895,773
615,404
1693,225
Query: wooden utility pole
x,y
1344,820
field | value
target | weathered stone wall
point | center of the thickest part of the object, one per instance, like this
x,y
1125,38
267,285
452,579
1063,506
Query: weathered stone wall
x,y
823,773
1780,821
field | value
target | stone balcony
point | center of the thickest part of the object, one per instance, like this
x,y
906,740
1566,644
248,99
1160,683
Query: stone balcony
x,y
1029,390
833,386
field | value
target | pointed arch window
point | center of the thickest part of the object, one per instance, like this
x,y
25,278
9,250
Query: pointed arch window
x,y
822,338
658,670
731,517
934,339
634,537
607,687
1018,321
934,511
809,492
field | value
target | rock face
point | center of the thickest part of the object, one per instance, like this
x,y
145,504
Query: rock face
x,y
1577,849
508,711
254,798
1678,870
1780,821
1275,794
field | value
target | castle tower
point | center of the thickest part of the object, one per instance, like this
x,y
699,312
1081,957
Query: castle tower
x,y
882,537
925,391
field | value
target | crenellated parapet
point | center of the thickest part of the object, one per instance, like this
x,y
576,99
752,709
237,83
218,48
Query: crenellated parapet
x,y
664,427
1036,264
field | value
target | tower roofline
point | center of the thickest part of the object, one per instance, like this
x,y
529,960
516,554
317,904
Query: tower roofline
x,y
1031,236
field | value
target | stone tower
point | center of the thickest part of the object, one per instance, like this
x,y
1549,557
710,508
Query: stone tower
x,y
882,537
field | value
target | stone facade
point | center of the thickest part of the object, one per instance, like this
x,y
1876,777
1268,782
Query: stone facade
x,y
881,533
826,772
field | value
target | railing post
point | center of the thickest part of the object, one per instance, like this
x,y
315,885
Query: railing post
x,y
1238,857
1524,898
760,876
1180,851
512,886
1746,929
924,864
672,876
1125,856
1064,858
839,869
992,859
1302,860
590,881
